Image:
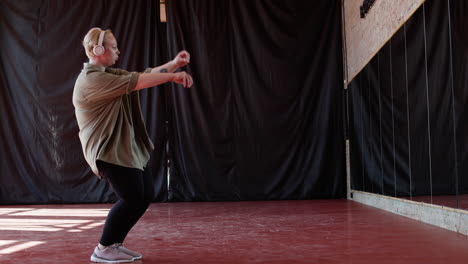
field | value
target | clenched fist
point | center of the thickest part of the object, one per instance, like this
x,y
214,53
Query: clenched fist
x,y
183,78
182,59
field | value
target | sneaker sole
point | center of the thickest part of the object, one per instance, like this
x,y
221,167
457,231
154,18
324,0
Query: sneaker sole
x,y
95,258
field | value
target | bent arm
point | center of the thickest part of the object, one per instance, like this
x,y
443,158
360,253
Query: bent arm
x,y
181,59
170,67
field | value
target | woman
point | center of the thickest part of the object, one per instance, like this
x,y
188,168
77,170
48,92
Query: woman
x,y
113,135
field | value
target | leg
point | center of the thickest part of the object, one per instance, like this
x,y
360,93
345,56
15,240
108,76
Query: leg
x,y
145,199
135,192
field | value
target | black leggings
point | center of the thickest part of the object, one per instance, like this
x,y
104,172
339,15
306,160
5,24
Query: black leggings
x,y
135,191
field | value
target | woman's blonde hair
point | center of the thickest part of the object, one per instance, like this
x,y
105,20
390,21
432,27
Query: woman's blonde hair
x,y
91,40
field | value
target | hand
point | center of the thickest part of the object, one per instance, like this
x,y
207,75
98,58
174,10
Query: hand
x,y
182,59
183,78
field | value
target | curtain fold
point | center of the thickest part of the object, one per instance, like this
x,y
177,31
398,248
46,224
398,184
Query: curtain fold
x,y
262,121
40,57
264,118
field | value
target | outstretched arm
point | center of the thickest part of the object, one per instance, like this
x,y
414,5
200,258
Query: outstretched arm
x,y
165,73
146,80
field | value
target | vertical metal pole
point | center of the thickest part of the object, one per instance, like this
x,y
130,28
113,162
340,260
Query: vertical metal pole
x,y
345,104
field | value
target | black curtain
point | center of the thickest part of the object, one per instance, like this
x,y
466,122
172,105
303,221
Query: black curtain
x,y
459,38
40,57
263,120
408,108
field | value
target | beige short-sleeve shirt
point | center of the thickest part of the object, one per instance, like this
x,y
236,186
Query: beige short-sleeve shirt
x,y
109,116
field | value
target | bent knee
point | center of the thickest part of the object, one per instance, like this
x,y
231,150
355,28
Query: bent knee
x,y
141,200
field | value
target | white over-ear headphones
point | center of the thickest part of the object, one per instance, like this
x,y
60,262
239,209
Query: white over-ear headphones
x,y
98,50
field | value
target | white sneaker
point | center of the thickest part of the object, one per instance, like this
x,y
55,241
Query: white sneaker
x,y
110,254
127,251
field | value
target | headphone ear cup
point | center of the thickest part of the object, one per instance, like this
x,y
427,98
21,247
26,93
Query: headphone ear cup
x,y
98,50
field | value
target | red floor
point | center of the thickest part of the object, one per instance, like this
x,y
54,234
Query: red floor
x,y
330,231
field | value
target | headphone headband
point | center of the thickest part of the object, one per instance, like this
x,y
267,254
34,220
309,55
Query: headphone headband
x,y
101,37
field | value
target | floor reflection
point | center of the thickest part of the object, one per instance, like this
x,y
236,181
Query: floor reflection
x,y
23,228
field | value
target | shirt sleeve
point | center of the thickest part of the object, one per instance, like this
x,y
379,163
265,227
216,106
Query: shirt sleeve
x,y
108,86
117,71
124,72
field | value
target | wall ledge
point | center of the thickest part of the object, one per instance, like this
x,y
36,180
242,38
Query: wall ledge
x,y
449,218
